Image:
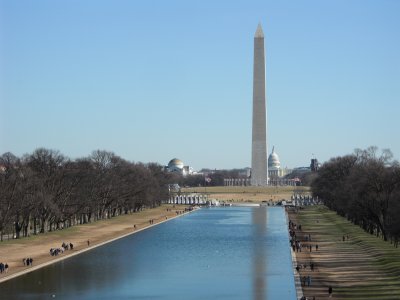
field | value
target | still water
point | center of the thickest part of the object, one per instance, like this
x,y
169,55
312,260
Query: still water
x,y
214,253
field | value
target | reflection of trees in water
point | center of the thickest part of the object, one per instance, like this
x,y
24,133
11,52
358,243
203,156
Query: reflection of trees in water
x,y
259,222
85,274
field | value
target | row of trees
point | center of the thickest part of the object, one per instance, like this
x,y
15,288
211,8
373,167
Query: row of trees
x,y
45,190
365,188
209,177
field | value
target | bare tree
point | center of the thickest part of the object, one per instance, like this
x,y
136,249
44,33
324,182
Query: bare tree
x,y
48,166
45,190
364,187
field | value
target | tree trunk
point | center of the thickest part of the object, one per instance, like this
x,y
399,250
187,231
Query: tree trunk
x,y
18,228
34,226
43,225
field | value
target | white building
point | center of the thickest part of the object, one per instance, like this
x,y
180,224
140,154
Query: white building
x,y
274,166
175,165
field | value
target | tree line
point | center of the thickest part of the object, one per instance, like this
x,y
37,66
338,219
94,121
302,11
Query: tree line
x,y
45,191
365,188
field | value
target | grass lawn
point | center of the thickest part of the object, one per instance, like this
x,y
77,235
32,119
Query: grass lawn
x,y
363,267
249,193
248,189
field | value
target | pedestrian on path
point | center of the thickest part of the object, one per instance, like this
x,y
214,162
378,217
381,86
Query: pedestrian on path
x,y
308,280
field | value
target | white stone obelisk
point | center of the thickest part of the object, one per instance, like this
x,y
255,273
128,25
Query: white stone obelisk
x,y
259,166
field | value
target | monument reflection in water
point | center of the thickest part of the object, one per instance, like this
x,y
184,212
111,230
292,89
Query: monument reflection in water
x,y
259,230
214,253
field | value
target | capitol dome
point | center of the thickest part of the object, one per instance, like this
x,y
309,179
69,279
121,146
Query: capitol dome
x,y
175,164
273,160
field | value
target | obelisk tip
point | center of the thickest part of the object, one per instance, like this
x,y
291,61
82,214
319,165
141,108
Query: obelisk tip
x,y
259,32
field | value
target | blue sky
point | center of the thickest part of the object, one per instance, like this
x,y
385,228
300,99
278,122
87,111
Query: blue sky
x,y
154,80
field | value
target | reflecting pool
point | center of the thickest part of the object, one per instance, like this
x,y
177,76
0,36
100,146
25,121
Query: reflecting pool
x,y
213,253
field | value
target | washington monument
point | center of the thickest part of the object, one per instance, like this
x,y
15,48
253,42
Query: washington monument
x,y
259,167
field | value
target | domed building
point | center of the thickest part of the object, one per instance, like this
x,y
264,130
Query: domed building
x,y
177,166
274,166
273,160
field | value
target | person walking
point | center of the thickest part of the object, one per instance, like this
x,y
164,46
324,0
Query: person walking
x,y
330,290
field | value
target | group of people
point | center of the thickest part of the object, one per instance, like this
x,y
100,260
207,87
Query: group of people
x,y
304,266
306,280
296,245
3,268
64,246
305,298
27,261
67,246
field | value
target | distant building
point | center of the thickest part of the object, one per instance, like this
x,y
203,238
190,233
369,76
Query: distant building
x,y
274,166
315,165
246,172
300,170
175,165
276,174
